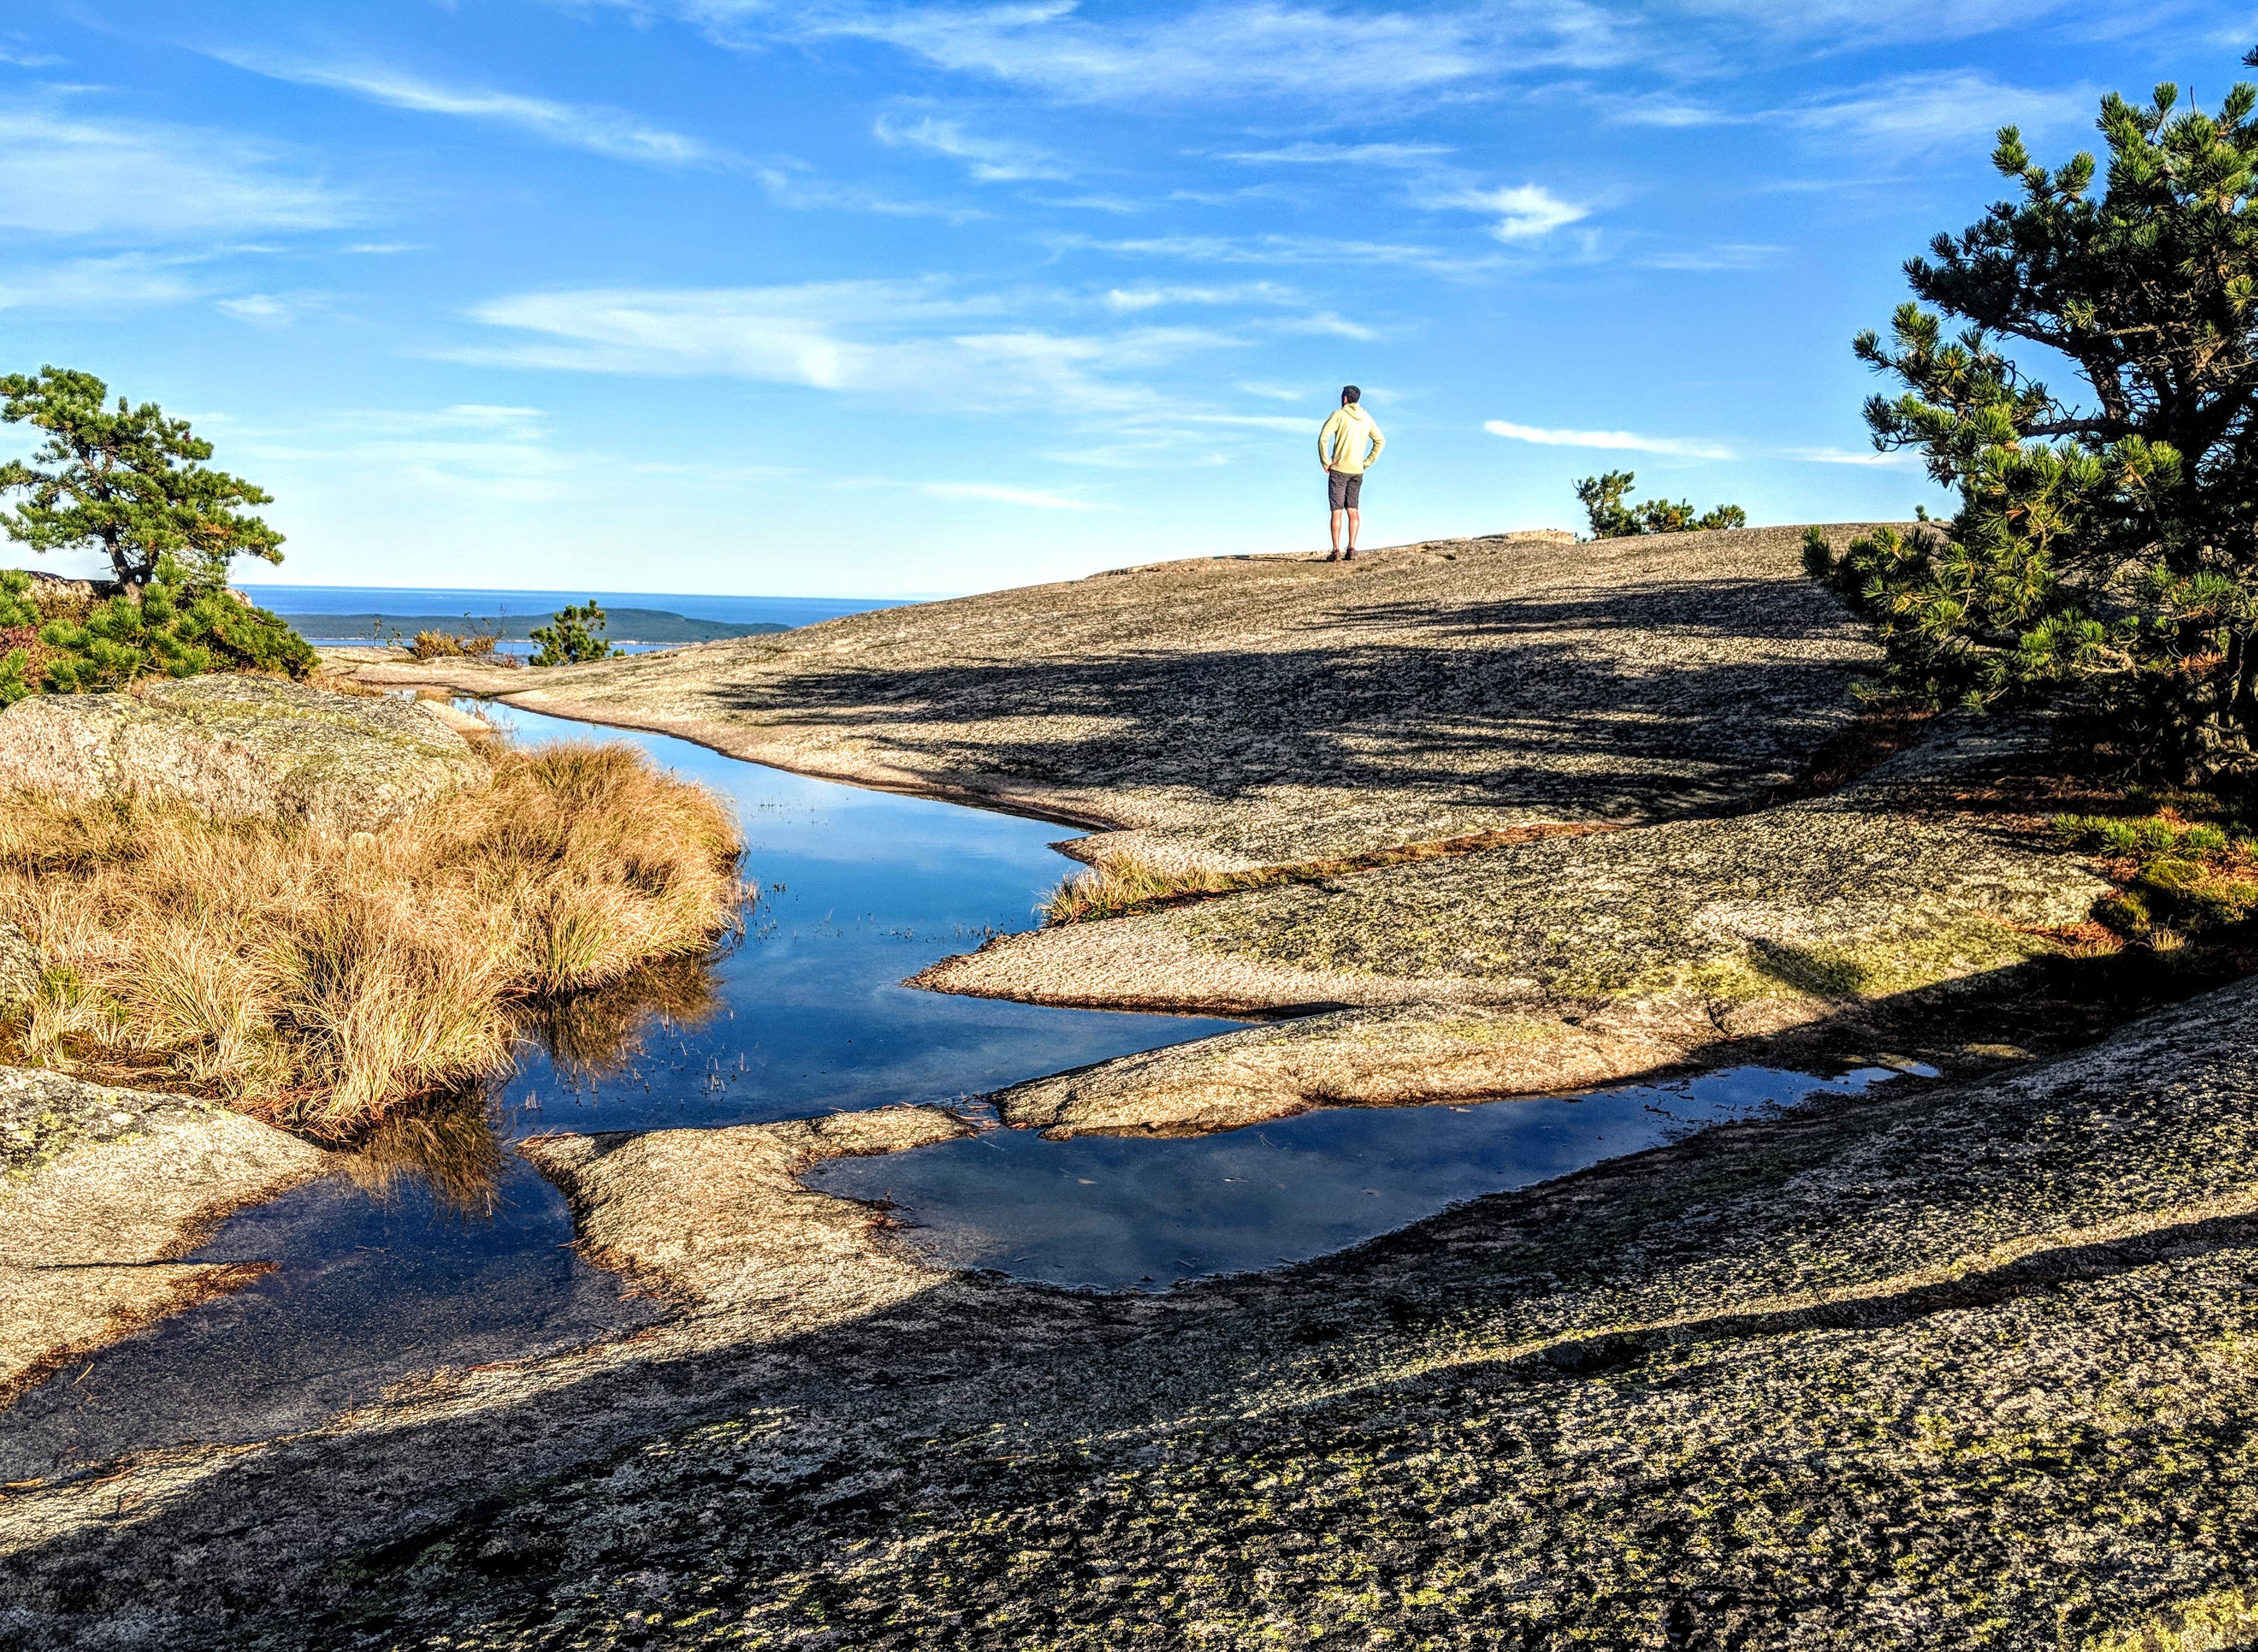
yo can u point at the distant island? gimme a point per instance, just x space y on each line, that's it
628 625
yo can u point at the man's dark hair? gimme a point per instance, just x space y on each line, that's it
1350 393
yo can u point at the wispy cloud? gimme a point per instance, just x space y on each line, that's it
1854 22
473 452
1178 55
86 174
1254 421
262 308
1351 155
1523 212
1904 115
1917 113
597 130
990 493
1732 256
1616 441
917 341
798 186
1848 456
95 285
1280 249
988 159
1686 447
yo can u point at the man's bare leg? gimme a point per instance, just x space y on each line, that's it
1355 521
1337 531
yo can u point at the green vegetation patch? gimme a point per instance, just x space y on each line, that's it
2190 878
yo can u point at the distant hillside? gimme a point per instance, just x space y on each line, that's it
628 625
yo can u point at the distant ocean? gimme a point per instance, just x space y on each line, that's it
479 604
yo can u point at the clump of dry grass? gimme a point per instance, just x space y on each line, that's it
1125 884
321 981
481 647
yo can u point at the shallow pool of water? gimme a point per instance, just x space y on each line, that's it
1142 1213
803 1012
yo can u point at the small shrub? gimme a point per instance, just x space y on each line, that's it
482 647
177 627
573 636
1602 499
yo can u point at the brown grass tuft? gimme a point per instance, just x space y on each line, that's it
321 981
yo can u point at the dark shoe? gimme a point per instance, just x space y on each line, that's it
1349 555
1334 556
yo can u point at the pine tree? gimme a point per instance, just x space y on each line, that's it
2109 541
573 637
1602 499
132 482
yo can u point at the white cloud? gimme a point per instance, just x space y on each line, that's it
795 185
1254 421
599 130
257 306
1236 49
95 286
1905 114
1913 114
988 159
988 493
85 175
916 340
20 59
1309 155
1846 23
473 452
1619 441
1847 456
1732 256
1280 249
1524 212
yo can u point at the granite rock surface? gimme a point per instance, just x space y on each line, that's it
240 748
1236 712
102 1191
1939 1364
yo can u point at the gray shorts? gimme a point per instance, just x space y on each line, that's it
1342 489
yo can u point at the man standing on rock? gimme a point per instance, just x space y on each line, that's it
1342 449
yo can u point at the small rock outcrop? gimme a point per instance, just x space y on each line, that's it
240 748
103 1191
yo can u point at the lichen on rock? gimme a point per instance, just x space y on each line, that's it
239 747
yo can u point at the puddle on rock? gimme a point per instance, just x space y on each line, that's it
371 1290
1144 1213
453 1252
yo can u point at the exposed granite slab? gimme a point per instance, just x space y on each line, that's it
102 1189
239 747
1684 931
1409 1055
718 1218
1237 712
1938 1365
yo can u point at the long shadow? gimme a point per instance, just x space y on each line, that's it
976 1397
1529 721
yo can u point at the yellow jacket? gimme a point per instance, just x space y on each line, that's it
1340 444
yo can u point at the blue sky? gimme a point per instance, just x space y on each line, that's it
873 299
